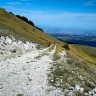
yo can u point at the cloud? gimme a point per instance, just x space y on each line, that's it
18 3
24 0
49 18
47 14
61 19
14 3
89 3
78 14
44 15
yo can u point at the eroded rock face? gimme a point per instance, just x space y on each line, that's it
9 47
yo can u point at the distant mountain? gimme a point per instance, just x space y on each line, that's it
81 36
81 39
69 31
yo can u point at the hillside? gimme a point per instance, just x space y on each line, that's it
21 30
84 53
29 69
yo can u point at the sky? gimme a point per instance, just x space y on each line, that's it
55 13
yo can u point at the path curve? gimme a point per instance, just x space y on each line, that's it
27 75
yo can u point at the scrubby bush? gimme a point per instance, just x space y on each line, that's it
11 13
38 46
28 21
20 95
25 19
66 46
31 23
40 29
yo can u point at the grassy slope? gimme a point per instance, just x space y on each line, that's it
22 29
84 53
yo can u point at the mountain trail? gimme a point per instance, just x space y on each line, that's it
27 75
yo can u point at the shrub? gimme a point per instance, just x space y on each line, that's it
38 46
70 61
66 47
40 29
31 23
20 95
26 20
11 13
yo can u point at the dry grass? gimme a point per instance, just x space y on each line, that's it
75 71
59 48
51 48
72 72
24 29
85 54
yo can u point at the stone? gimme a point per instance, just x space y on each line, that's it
94 89
1 86
81 90
71 88
29 79
13 51
52 80
77 87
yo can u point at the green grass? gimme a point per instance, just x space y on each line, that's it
70 61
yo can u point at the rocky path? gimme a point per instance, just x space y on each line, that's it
27 75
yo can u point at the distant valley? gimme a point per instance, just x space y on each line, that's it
85 40
85 37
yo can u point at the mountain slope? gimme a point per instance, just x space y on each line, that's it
84 53
22 30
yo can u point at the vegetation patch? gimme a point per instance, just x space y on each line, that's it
38 46
69 61
38 57
56 57
66 46
20 95
66 74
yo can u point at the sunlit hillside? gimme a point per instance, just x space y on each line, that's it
22 30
